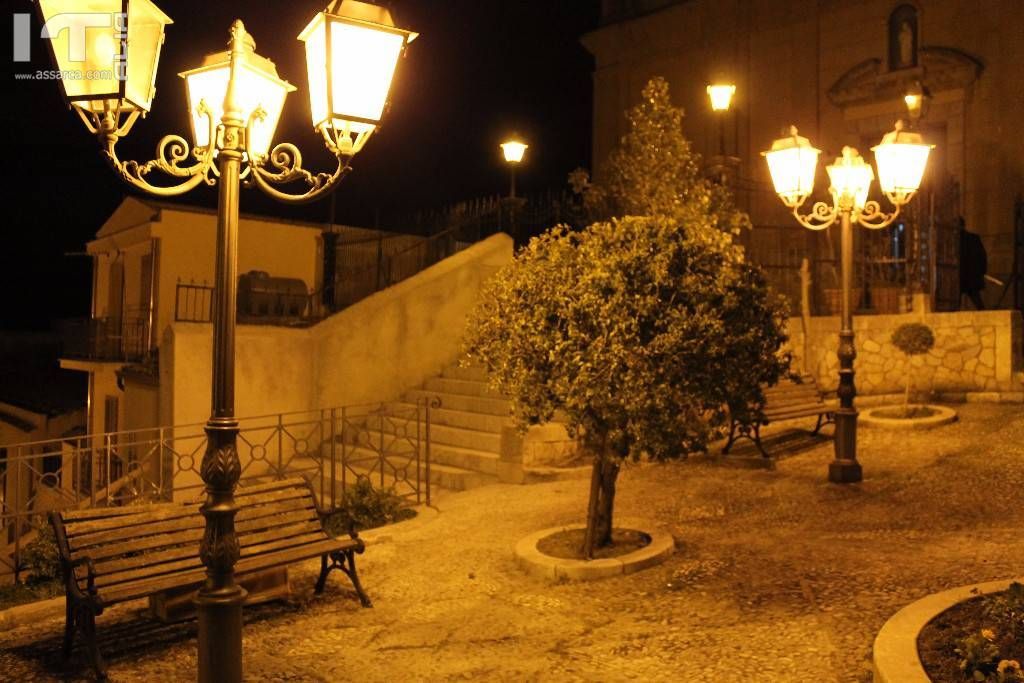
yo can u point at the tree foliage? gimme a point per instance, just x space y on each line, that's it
640 330
654 171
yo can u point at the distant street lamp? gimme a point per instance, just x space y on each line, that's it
235 99
513 150
721 95
792 161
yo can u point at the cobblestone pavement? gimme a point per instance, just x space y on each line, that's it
778 576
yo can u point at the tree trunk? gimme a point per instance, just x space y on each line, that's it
602 501
906 397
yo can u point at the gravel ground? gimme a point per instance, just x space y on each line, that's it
778 576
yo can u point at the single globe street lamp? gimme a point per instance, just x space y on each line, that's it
513 151
792 161
721 95
235 100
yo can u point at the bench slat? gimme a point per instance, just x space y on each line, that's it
186 517
176 553
138 522
248 565
295 537
187 536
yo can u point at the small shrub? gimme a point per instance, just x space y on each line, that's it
1007 611
41 558
913 339
366 508
979 655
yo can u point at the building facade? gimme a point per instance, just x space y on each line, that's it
839 71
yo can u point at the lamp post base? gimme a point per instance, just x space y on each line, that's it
220 640
844 472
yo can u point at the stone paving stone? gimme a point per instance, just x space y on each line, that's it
778 576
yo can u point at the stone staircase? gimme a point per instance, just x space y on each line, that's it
465 431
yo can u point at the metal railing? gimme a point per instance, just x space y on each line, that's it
106 339
193 303
385 444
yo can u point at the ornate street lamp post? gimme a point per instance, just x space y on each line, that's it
792 162
235 99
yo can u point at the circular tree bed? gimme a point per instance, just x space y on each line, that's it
914 417
976 635
568 543
554 554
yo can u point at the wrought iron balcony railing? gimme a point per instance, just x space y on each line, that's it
125 339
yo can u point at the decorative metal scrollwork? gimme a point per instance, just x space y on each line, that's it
171 152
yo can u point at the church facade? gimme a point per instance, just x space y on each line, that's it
840 71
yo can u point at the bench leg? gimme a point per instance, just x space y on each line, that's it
69 627
86 619
345 560
823 419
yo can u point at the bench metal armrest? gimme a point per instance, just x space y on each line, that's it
90 568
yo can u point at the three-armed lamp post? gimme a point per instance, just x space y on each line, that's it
792 161
513 151
235 99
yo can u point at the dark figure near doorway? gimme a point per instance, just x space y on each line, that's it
973 266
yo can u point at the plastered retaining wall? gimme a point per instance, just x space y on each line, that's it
977 354
372 351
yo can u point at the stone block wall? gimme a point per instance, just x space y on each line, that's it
975 353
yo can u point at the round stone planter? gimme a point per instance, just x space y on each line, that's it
895 654
560 569
943 416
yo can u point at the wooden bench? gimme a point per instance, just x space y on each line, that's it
785 401
113 555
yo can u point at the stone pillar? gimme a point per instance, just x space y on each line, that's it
510 461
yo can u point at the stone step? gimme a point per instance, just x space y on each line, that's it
446 476
364 462
488 442
473 404
464 458
481 422
462 387
474 373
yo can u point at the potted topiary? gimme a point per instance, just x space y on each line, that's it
912 339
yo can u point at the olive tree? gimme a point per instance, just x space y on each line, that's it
642 328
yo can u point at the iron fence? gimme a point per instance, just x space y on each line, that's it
386 444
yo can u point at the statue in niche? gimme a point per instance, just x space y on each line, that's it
903 38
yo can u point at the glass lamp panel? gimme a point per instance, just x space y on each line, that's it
851 177
145 38
901 166
86 43
254 89
362 64
513 151
315 38
793 171
721 96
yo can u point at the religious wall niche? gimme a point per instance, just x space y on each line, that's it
903 38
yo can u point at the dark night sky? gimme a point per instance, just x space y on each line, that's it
480 69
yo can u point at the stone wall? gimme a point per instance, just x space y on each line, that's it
977 354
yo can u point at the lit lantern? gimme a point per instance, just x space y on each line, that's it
352 49
257 86
107 51
792 162
721 96
901 157
513 150
851 178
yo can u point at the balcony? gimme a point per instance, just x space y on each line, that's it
124 340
